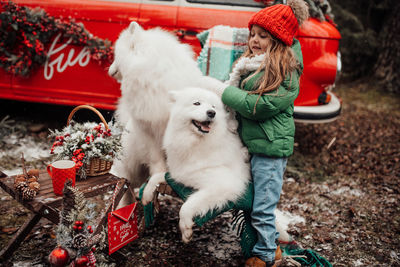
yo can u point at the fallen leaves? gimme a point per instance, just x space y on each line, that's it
347 186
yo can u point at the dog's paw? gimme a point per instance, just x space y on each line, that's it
186 230
148 194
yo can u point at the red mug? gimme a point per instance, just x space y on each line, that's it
59 172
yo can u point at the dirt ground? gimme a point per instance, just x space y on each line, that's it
343 179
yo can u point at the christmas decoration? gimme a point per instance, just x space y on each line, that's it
83 142
26 32
59 257
27 184
122 226
74 232
82 261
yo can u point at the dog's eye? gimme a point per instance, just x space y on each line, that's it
213 106
196 103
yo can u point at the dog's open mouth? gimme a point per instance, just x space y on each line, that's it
203 126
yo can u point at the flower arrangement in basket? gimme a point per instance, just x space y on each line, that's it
92 146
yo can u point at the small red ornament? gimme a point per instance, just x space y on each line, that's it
82 261
59 257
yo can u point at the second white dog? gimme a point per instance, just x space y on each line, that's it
149 64
202 154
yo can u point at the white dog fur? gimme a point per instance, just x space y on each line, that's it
149 64
202 154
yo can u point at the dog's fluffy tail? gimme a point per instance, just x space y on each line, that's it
214 85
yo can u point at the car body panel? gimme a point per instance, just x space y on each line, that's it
70 77
320 113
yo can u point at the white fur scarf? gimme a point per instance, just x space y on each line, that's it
244 66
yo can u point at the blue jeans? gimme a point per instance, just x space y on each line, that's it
268 179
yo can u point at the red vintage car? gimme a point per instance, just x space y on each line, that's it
70 77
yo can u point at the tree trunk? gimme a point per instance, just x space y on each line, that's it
386 70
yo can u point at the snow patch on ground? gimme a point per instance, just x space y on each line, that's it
32 149
285 219
358 262
347 191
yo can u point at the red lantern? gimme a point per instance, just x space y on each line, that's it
82 261
59 257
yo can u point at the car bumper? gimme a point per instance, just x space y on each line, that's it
318 114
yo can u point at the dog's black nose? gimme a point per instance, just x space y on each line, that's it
211 113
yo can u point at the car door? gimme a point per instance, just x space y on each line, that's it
158 13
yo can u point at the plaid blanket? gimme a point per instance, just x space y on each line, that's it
221 46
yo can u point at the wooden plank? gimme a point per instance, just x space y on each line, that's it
50 213
46 204
9 188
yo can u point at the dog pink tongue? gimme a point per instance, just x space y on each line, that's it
205 127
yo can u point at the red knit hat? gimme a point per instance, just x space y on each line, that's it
278 20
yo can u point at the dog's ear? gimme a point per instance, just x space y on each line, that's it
173 96
134 26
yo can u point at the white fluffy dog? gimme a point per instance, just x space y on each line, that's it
203 154
149 63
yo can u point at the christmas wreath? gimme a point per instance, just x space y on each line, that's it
25 32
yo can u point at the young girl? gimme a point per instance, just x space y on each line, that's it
262 88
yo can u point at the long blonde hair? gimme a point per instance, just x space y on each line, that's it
279 61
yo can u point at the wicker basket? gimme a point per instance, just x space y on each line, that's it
96 166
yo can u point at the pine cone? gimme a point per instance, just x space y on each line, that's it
34 186
68 203
79 241
32 179
19 179
33 172
28 194
27 191
21 186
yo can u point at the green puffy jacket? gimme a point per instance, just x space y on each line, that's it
270 130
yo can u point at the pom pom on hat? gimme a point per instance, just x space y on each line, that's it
282 21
